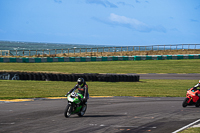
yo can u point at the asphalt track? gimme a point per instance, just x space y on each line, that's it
191 76
104 114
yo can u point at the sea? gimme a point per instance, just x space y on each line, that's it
17 47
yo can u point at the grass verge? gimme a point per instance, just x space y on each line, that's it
147 66
192 130
11 89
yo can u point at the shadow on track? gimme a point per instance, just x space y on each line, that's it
103 115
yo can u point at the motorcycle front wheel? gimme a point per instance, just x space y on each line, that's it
68 111
184 104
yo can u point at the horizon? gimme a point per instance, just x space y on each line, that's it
21 42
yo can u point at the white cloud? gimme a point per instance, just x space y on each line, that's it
58 1
125 4
129 23
194 20
104 3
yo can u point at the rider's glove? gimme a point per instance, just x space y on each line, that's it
79 98
66 94
82 99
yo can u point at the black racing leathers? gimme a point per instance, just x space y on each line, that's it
82 90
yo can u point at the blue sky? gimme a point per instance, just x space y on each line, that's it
101 22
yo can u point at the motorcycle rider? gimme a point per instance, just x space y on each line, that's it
195 89
82 89
197 85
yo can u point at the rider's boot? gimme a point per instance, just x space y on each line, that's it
83 106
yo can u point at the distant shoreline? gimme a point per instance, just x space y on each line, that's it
123 53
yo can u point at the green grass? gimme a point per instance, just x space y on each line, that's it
192 130
148 88
148 66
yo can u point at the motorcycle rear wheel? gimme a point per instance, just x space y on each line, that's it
184 104
197 103
68 111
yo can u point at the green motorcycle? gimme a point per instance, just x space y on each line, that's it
74 105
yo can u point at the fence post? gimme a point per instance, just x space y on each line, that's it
109 49
145 48
139 48
86 50
121 49
133 48
68 51
103 49
182 46
16 52
29 52
49 52
188 46
80 50
62 51
164 47
115 49
1 52
74 50
23 52
152 48
43 52
55 51
36 52
97 50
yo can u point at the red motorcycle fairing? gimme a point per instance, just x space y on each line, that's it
192 94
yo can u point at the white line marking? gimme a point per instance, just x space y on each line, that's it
186 126
123 126
102 125
8 123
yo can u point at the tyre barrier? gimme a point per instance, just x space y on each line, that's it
69 77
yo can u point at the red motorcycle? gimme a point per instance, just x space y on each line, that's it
192 97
